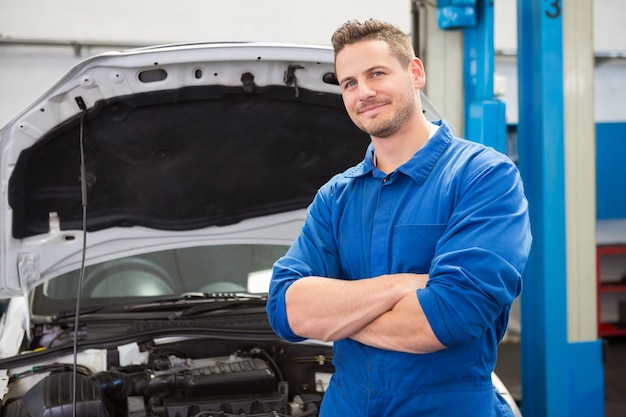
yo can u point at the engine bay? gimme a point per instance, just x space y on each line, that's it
172 377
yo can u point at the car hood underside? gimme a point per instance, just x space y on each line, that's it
175 140
184 159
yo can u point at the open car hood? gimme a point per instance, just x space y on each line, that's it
177 143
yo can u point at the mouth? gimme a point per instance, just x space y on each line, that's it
370 108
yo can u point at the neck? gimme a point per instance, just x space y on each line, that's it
394 151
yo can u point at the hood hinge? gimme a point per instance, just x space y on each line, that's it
28 271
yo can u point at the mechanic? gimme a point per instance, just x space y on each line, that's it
409 261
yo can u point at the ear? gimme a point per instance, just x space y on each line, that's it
419 75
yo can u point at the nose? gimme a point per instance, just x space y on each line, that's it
366 92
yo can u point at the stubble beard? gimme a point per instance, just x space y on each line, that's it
391 125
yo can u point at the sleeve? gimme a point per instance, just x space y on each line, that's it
313 253
476 272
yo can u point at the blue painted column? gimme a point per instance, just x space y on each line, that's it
485 120
554 371
541 154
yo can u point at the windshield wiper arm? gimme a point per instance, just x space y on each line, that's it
222 301
64 314
192 302
198 298
134 304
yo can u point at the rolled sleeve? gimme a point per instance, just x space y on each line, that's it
276 306
313 253
476 272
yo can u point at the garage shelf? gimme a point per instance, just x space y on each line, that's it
611 278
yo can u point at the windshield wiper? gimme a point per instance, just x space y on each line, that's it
64 314
191 302
198 298
240 300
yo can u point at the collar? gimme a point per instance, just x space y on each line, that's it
419 166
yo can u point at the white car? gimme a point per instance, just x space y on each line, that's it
160 185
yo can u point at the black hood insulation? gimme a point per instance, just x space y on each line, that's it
185 159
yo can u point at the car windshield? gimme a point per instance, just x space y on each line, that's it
205 269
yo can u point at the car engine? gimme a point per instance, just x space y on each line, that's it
248 382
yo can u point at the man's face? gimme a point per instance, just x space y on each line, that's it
379 93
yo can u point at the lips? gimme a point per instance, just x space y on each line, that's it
370 107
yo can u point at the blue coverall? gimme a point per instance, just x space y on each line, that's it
456 211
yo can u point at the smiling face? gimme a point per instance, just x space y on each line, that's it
379 93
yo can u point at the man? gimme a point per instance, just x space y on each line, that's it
409 262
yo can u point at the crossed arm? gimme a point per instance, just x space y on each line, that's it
382 312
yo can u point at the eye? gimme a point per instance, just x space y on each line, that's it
377 74
348 84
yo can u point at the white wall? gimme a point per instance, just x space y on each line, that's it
27 71
158 21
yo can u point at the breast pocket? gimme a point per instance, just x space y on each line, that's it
414 246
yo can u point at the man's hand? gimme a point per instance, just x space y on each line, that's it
404 328
332 309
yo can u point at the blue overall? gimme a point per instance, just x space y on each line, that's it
456 211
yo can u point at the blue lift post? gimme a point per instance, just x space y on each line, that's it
559 377
541 150
485 120
485 116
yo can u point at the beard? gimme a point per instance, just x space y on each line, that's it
390 125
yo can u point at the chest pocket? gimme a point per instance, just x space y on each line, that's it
413 246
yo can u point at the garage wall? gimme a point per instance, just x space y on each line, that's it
26 72
159 21
610 158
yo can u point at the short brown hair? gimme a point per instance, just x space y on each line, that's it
354 31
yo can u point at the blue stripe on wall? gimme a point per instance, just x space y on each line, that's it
611 170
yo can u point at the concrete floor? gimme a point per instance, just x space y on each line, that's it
508 370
